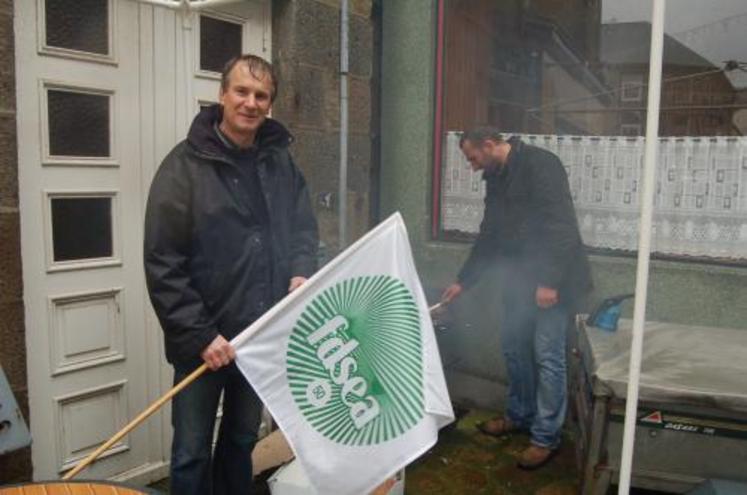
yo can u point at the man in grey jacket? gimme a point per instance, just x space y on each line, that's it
530 231
229 231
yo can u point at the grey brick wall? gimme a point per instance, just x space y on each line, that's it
306 51
15 466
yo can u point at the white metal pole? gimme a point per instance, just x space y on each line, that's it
644 243
343 190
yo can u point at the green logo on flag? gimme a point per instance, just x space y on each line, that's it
354 361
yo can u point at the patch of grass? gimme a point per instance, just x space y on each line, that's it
466 461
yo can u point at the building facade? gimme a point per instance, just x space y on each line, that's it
92 96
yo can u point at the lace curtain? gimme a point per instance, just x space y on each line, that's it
700 203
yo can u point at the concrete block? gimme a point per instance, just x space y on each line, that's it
6 39
8 161
7 60
355 7
13 349
361 7
358 214
308 31
15 467
359 162
309 97
317 153
359 105
320 153
7 90
361 47
317 34
283 33
10 258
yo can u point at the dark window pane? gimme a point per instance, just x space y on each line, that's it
78 124
78 25
219 42
81 228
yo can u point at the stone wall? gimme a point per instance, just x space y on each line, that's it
16 466
306 53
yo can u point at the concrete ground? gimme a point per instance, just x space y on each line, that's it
464 462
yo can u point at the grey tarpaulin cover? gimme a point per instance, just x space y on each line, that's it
703 366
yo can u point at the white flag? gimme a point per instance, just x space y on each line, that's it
349 368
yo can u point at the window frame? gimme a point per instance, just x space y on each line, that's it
438 234
69 53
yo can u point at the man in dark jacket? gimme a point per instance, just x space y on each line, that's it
229 231
530 230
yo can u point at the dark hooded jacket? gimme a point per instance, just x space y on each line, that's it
225 230
530 221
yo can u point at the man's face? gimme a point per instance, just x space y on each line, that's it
246 102
479 156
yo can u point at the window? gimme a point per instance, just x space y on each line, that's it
78 123
81 228
630 130
550 71
631 87
78 28
220 40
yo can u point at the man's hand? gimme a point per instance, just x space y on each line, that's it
218 354
451 293
546 297
295 283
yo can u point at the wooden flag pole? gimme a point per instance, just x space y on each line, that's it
436 306
135 422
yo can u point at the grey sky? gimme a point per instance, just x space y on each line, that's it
716 29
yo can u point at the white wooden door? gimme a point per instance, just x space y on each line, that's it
81 201
101 97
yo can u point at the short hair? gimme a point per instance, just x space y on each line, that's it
258 67
479 135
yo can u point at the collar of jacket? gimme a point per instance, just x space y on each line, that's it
204 140
511 160
513 155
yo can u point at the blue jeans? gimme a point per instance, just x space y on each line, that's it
534 347
229 471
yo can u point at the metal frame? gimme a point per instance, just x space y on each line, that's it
674 460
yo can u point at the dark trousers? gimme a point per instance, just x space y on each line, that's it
229 471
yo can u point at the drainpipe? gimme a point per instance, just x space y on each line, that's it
187 38
343 191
